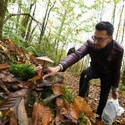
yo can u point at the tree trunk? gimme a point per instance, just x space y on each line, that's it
28 34
44 21
113 16
25 21
123 34
3 9
120 20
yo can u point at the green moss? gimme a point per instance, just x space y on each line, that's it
22 71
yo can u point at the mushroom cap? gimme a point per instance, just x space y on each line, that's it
44 59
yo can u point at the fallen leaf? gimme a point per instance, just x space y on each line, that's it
59 103
13 118
9 78
4 66
22 115
37 114
70 108
81 105
41 115
13 100
57 89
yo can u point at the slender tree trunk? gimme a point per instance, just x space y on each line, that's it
101 10
3 9
25 21
113 16
63 48
120 19
45 20
18 18
60 31
28 34
123 34
43 24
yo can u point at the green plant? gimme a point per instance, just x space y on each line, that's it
67 95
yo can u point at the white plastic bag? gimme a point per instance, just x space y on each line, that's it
111 111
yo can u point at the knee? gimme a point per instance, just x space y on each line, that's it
84 75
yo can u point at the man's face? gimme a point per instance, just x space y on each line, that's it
101 39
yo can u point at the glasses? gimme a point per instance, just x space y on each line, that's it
99 39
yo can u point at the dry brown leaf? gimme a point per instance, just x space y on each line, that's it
70 108
4 66
99 123
37 114
47 116
22 115
41 115
59 103
81 105
4 49
58 118
2 75
9 78
29 56
13 100
57 89
35 78
13 119
65 110
2 85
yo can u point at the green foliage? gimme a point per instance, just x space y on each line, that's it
67 95
35 49
22 71
121 87
46 93
32 100
81 118
77 67
116 1
10 31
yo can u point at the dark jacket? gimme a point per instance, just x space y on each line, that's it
105 60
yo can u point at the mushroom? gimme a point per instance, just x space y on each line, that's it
43 61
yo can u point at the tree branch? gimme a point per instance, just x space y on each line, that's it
25 14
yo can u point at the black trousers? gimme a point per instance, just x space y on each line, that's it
106 82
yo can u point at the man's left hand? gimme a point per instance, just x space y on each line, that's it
114 94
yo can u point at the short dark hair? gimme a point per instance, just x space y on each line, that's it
105 25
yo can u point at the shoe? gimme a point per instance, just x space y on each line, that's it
98 118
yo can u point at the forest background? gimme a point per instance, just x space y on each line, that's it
51 27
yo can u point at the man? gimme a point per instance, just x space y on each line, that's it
106 58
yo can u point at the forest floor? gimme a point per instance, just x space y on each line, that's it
72 82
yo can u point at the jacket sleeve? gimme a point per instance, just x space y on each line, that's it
116 68
76 56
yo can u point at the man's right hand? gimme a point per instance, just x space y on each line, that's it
51 71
